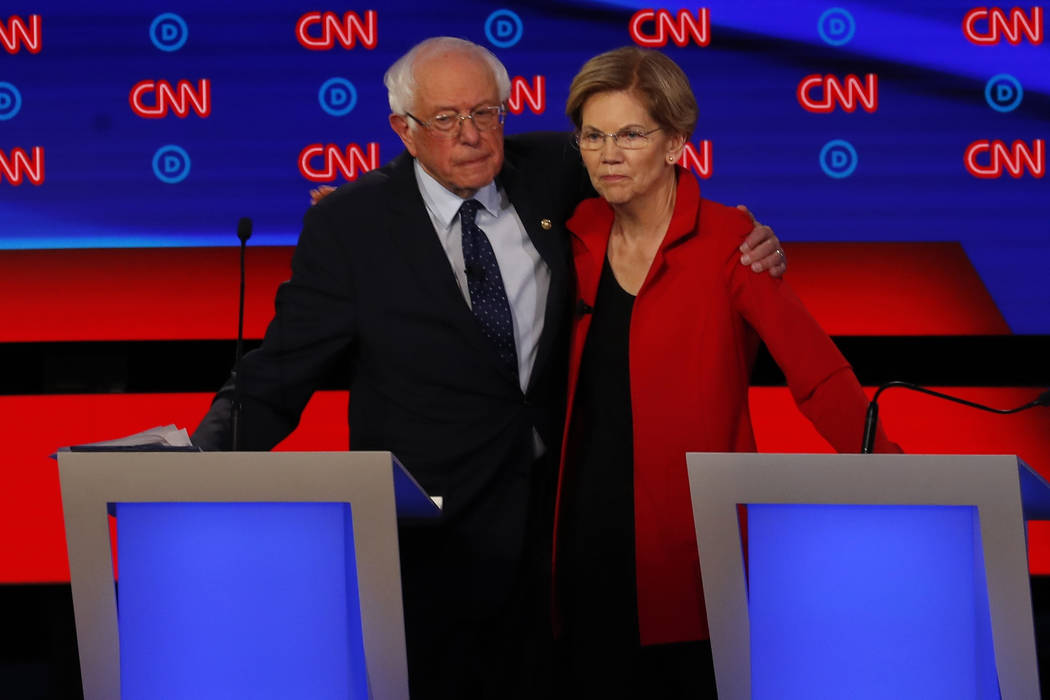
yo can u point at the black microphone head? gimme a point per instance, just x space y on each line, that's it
244 229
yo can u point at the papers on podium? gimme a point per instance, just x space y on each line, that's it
159 438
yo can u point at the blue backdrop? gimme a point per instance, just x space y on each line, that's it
102 145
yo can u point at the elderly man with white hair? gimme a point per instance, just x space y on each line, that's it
441 285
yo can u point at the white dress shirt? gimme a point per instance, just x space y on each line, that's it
526 276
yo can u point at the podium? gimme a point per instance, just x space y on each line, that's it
868 576
241 574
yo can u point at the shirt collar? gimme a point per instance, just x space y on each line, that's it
444 205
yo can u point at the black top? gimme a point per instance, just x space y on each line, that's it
601 653
596 567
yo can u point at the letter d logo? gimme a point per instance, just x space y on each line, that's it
503 28
171 164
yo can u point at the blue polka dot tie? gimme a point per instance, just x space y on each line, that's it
488 298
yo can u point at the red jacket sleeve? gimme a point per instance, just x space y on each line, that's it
821 381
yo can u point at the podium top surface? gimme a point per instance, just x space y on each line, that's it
173 475
919 479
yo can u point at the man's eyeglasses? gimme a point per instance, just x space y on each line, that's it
484 118
630 139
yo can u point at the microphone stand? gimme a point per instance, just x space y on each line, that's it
868 443
244 232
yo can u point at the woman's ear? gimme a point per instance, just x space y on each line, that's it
674 148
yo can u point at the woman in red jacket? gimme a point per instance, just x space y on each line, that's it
660 362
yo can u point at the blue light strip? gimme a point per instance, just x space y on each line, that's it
152 240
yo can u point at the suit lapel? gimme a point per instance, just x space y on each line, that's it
411 227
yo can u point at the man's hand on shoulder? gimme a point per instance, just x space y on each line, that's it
761 249
316 195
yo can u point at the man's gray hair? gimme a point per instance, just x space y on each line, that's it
400 79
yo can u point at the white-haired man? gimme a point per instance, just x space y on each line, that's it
452 322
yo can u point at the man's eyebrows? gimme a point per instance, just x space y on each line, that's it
479 105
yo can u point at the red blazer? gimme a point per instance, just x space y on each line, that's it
695 329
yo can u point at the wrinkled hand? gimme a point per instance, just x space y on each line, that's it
316 195
761 249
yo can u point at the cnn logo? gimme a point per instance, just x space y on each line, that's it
653 27
986 26
698 159
822 94
179 99
21 166
321 31
990 159
16 34
522 93
320 163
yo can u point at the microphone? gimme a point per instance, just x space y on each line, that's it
868 443
244 229
244 232
583 308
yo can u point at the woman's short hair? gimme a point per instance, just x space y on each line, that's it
400 79
651 76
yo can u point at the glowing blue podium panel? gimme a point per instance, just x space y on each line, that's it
238 600
242 574
867 602
868 576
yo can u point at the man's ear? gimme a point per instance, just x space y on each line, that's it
404 131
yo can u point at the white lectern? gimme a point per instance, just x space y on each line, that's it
250 574
868 576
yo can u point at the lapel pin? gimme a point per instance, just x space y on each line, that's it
545 224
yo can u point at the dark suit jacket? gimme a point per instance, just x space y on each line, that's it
372 293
